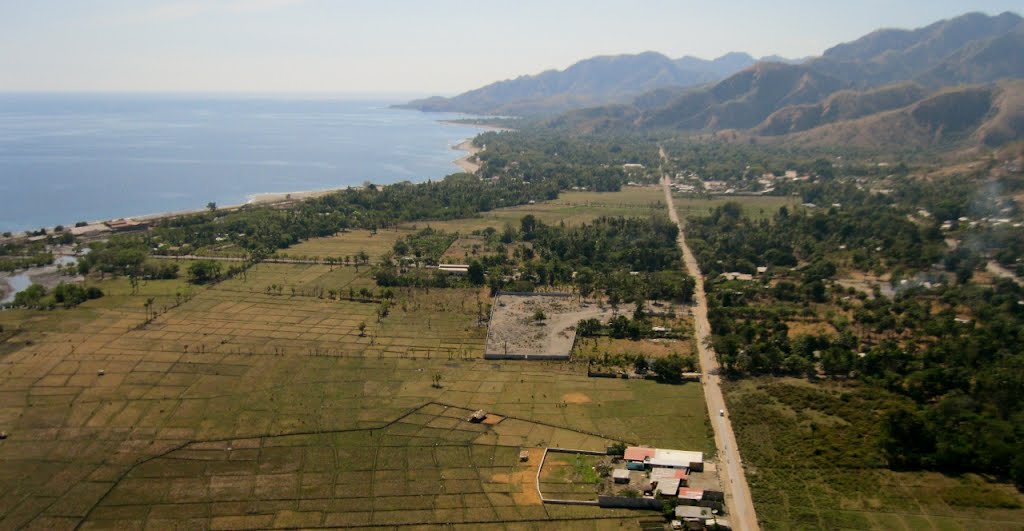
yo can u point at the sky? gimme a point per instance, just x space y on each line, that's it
404 47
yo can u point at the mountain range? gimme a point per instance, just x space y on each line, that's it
947 82
595 81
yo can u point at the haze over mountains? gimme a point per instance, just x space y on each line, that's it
594 81
950 81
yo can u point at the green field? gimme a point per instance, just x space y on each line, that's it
570 207
116 422
813 462
347 244
757 207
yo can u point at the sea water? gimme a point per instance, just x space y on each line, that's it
68 158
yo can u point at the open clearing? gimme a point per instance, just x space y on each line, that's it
348 244
539 326
572 208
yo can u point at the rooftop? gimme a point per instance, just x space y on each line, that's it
637 453
691 511
691 494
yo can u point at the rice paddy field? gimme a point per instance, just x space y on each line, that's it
263 401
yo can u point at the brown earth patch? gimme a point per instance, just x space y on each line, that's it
492 419
525 477
576 398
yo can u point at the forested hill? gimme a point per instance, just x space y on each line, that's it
595 81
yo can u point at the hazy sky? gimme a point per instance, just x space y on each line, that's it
407 47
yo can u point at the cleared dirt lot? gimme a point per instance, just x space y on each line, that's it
515 330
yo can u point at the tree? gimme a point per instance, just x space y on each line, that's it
539 316
476 273
669 369
528 225
362 328
436 378
203 271
211 206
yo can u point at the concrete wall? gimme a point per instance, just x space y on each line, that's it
629 503
513 356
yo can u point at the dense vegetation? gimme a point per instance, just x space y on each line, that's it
627 259
16 255
594 163
37 296
950 346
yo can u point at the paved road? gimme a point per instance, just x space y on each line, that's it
737 494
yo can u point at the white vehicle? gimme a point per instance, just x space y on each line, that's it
721 412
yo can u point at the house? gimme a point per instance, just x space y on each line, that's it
690 496
126 225
671 474
620 475
677 459
632 167
454 269
92 228
694 517
738 276
524 456
666 487
478 416
662 458
638 453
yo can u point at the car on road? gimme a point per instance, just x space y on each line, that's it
721 412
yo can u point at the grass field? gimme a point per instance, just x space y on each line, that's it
756 207
347 244
814 463
113 422
429 466
573 208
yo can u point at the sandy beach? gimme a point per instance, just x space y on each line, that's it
468 161
253 199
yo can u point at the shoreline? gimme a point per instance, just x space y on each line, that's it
258 198
465 162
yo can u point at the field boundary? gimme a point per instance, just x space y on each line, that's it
121 477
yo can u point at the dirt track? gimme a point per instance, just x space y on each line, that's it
737 493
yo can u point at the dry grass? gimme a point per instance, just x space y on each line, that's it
303 400
348 244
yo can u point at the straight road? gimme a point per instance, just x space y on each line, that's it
737 494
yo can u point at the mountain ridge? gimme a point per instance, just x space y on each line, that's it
956 63
606 79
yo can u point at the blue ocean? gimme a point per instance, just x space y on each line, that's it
69 158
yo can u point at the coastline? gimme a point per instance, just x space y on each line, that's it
467 162
262 198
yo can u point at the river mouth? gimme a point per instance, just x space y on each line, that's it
16 283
